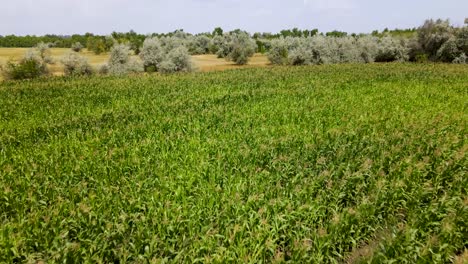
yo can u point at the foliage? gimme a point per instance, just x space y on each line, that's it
222 44
330 164
32 65
337 34
28 68
152 54
462 39
448 51
98 44
133 40
323 50
218 31
167 55
77 47
178 60
391 49
241 47
279 51
433 34
462 59
43 51
76 65
120 62
199 45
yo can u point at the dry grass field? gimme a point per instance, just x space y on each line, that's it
202 62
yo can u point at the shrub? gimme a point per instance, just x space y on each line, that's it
170 43
279 52
43 51
300 56
178 60
241 47
76 65
462 39
33 64
199 45
462 59
152 54
222 45
77 47
28 68
104 69
368 48
448 51
215 44
167 66
391 49
415 51
348 50
324 50
120 62
432 35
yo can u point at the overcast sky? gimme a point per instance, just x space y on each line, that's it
39 17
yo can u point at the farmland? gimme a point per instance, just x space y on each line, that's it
322 164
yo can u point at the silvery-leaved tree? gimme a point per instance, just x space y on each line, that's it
199 45
152 54
391 49
241 48
433 34
76 65
120 62
77 46
177 60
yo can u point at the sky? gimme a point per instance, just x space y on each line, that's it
39 17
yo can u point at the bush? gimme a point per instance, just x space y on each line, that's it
77 47
367 48
215 43
322 50
104 69
279 52
391 49
170 43
177 60
28 68
448 51
462 59
152 54
33 64
76 65
167 66
222 44
432 35
43 51
462 39
199 45
120 62
300 56
241 47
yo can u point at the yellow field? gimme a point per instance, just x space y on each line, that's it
202 62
